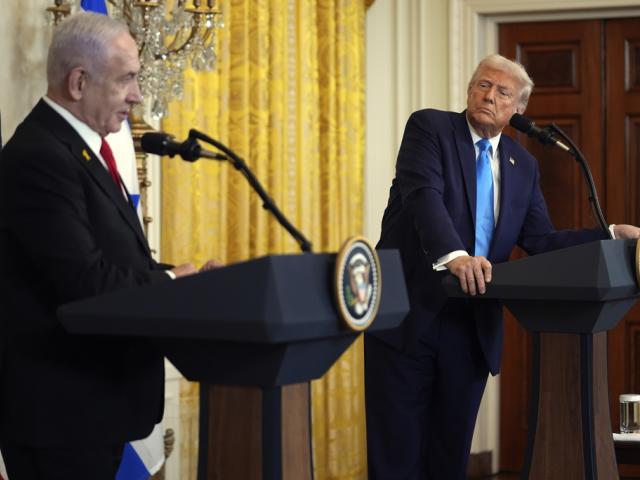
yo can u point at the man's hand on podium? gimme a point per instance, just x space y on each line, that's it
626 231
189 269
473 273
210 265
183 270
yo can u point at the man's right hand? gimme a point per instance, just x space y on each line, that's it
184 270
473 273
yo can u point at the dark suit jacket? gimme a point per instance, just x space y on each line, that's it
66 233
431 212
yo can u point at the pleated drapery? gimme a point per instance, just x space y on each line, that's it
288 97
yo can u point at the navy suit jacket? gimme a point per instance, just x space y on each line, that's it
67 233
431 212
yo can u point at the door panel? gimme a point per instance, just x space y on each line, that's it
563 58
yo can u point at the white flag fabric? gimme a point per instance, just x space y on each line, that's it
121 144
3 470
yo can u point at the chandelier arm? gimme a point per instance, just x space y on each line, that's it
177 43
172 49
141 49
206 36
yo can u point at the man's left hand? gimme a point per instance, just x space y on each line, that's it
626 231
210 265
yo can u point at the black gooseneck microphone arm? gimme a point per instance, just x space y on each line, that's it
593 195
267 201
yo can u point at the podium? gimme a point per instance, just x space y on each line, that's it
263 329
568 299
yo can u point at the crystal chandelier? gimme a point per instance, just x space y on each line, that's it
168 40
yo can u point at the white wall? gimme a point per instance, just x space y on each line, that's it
23 43
407 69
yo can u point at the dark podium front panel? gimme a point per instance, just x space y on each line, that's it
265 322
254 333
568 299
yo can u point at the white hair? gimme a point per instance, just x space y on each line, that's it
81 40
515 69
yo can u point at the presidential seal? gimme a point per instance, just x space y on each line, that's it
358 283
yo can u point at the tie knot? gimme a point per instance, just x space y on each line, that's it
109 159
105 149
484 145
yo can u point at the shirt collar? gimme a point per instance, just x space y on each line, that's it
494 141
90 137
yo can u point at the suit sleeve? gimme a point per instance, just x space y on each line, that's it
48 218
420 178
538 234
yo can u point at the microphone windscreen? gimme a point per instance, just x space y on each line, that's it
154 143
521 123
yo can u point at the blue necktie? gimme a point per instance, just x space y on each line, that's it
484 199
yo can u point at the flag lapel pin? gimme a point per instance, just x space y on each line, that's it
86 155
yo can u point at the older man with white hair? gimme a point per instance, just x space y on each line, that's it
463 196
68 231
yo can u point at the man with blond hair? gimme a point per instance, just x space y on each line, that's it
463 196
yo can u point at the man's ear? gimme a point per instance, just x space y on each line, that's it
76 83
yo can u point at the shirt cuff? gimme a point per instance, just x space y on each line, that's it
439 265
613 234
172 275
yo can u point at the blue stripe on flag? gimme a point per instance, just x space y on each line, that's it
98 6
135 199
131 467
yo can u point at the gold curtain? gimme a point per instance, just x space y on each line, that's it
288 97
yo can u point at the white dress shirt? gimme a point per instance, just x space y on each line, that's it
90 137
495 172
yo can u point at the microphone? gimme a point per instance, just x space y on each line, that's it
159 143
543 135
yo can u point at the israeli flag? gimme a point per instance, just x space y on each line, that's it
98 6
141 458
124 152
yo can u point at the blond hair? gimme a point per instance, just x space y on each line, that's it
513 68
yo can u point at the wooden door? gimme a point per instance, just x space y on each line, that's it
563 60
588 84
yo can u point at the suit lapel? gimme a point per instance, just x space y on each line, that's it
106 183
83 154
466 155
506 188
